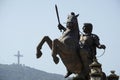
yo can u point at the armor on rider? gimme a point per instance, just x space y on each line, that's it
90 41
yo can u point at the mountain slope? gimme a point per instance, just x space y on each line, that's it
19 72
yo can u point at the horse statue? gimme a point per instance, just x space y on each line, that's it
68 48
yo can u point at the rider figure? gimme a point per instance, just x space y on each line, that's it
90 41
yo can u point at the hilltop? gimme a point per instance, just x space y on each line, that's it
21 72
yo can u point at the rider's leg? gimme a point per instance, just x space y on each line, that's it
85 58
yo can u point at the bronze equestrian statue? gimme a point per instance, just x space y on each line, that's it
75 50
66 46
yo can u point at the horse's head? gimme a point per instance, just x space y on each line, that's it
72 22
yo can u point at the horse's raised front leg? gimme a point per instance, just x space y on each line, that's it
55 50
57 47
45 39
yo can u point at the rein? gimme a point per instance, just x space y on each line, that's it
101 54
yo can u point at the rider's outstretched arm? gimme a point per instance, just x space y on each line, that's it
61 27
98 45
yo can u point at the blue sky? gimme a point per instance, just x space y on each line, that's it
23 23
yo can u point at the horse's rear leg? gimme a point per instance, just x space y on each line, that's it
45 39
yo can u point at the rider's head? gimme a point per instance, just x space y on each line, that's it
71 20
87 28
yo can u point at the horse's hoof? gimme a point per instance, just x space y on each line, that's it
39 54
68 74
56 60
